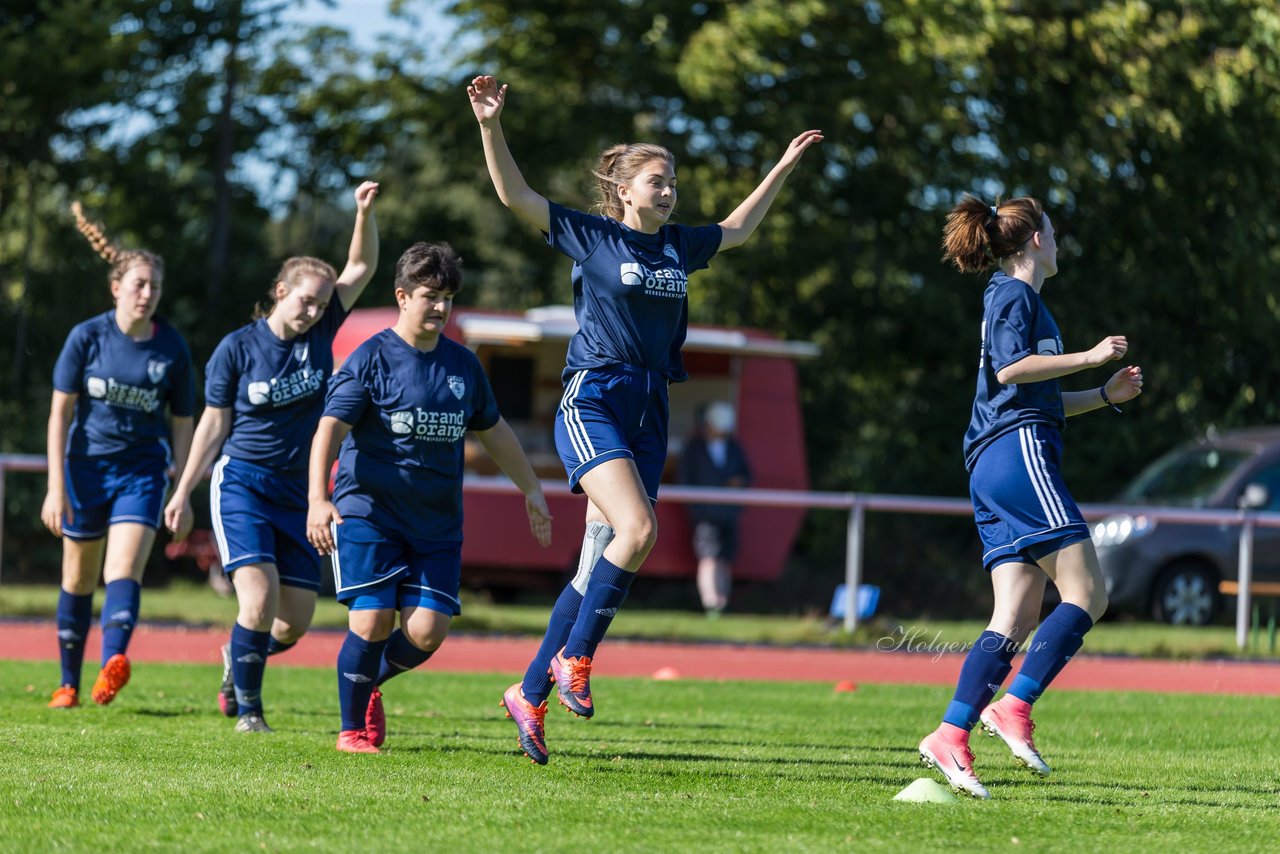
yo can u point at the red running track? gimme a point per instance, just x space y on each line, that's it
35 641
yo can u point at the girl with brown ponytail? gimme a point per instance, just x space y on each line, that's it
1030 527
264 393
109 454
630 274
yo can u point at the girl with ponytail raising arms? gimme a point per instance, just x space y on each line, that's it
264 393
630 273
109 455
1030 527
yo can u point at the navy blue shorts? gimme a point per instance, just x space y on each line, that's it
105 491
260 516
613 413
1020 503
379 569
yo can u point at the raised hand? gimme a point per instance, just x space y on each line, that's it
1108 350
799 146
487 98
365 194
1125 384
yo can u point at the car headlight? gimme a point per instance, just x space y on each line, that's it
1114 530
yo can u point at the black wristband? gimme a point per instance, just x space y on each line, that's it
1106 400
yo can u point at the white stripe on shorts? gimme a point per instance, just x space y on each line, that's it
333 558
1038 471
215 507
578 436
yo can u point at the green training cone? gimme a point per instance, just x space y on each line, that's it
925 791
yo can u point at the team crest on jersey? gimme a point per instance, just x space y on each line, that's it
300 351
457 386
402 423
259 393
670 252
156 369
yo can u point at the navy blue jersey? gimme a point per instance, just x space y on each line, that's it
123 387
1015 324
401 465
276 389
630 289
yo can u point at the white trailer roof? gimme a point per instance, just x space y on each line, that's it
557 323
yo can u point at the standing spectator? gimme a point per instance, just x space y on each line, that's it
715 458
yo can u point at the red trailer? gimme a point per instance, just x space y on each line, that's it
524 354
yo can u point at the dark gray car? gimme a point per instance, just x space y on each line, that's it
1171 570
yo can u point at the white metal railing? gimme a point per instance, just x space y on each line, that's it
857 504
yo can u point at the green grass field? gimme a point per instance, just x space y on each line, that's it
190 603
669 766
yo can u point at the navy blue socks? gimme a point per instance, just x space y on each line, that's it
536 685
399 656
605 594
1060 637
358 663
275 647
248 661
75 613
983 672
119 615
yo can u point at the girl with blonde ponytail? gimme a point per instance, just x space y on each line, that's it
264 392
630 275
1030 527
109 455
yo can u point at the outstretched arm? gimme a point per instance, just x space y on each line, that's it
501 443
362 255
487 100
738 226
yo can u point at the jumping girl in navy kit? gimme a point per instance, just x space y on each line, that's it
630 276
264 392
1031 528
109 455
400 407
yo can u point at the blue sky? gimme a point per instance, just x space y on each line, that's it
364 19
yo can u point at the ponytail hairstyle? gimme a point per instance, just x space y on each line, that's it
119 259
435 265
618 165
291 274
979 236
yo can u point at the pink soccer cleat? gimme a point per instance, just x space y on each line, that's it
375 720
530 723
355 741
954 759
1010 718
573 683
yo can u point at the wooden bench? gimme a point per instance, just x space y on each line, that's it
1256 588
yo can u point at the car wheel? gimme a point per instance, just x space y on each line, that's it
1186 594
